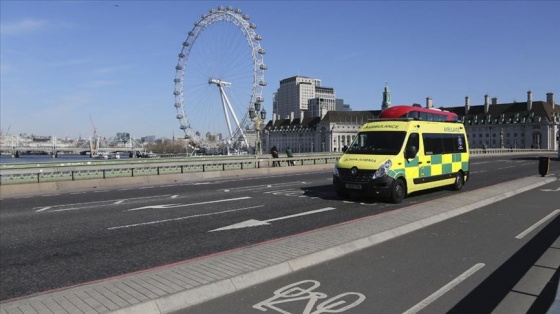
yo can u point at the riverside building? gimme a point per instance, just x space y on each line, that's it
528 124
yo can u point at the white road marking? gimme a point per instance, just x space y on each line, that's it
537 224
75 206
254 222
303 290
254 187
163 206
550 190
443 290
63 209
174 196
182 218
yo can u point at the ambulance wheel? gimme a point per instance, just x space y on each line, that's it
398 191
459 182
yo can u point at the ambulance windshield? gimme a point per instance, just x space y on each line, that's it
377 143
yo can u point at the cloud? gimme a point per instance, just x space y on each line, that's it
23 26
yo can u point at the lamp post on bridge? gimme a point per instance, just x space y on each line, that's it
258 116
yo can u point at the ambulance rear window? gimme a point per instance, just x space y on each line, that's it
437 143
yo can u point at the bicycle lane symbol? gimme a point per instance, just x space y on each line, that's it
303 290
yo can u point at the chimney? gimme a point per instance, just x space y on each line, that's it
467 104
550 98
486 104
529 101
428 102
301 114
291 117
494 100
273 118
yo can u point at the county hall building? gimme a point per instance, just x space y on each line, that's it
309 118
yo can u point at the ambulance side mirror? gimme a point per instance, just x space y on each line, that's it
410 152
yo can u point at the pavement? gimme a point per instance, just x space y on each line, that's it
177 286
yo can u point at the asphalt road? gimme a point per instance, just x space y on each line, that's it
49 242
428 271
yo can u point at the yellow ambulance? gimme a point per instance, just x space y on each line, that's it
391 158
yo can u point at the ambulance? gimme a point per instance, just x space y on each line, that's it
391 158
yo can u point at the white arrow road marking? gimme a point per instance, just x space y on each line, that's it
92 205
182 218
550 190
254 222
192 204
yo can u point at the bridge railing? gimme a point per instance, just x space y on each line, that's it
133 167
51 171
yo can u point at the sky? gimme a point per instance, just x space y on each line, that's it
67 67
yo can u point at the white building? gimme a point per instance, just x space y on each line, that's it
324 101
303 96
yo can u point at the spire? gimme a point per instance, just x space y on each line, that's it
386 98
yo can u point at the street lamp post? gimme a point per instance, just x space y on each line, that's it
258 116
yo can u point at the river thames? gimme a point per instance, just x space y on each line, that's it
31 159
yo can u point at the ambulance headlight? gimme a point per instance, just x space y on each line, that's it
383 170
335 172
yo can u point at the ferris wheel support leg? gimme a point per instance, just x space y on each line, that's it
225 106
233 115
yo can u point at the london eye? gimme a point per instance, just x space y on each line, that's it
219 77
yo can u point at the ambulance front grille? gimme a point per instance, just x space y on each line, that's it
361 176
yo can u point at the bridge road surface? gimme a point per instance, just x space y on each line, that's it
53 241
96 293
430 270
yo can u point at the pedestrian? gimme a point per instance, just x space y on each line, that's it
289 154
274 153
